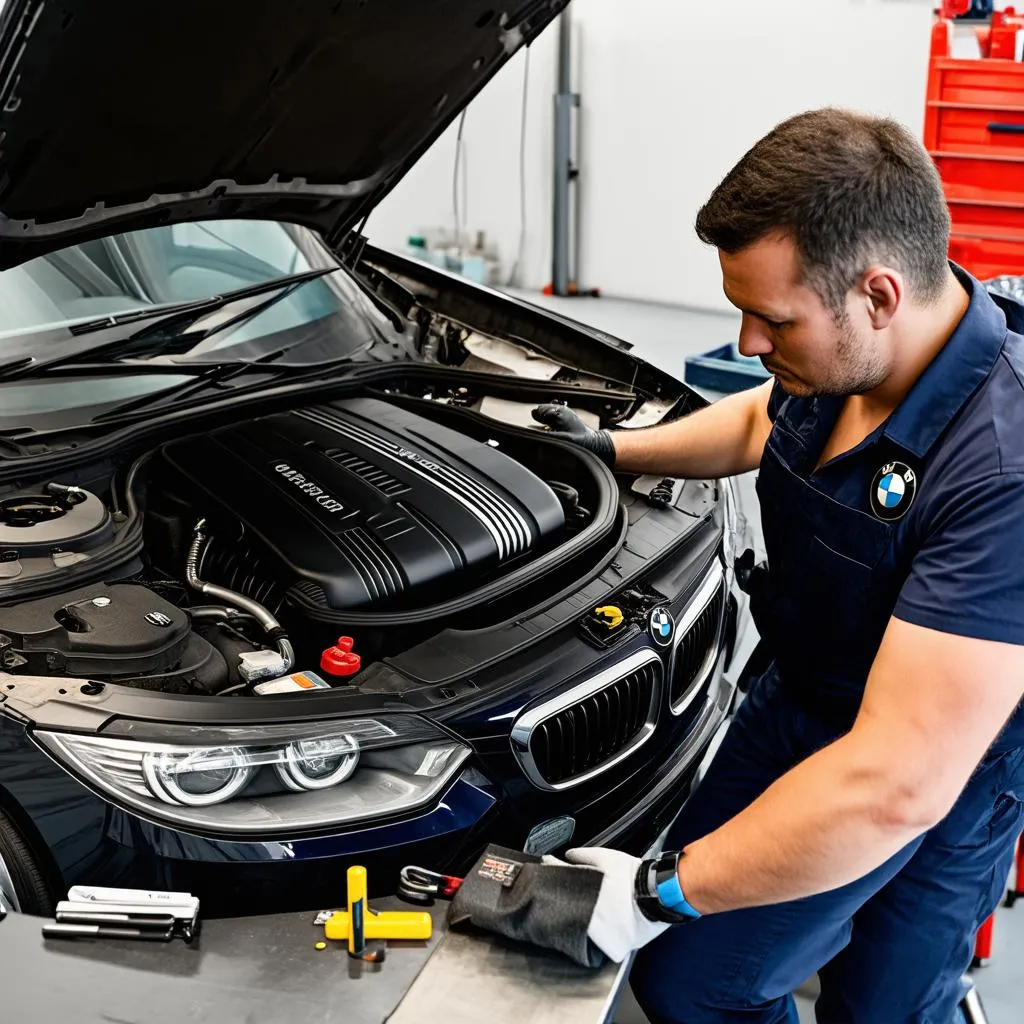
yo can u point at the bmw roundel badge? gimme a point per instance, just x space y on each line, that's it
893 490
661 626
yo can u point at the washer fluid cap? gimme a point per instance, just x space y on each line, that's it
340 660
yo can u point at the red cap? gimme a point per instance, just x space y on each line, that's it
339 659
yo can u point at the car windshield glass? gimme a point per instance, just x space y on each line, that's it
53 310
168 266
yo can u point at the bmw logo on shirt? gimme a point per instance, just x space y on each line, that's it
893 490
661 626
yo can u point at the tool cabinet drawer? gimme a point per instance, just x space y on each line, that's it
986 218
988 256
988 83
997 180
982 131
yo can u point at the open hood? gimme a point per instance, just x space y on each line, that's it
119 115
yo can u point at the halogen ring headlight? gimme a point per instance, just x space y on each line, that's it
265 778
197 779
318 763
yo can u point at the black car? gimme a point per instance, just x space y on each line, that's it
290 577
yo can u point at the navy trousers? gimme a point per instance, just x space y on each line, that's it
890 948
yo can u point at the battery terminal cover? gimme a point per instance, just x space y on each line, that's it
340 660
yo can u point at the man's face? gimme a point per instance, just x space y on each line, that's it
800 341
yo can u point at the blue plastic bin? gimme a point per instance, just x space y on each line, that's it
724 370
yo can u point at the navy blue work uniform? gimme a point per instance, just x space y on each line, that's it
923 520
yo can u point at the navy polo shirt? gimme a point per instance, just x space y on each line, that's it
923 520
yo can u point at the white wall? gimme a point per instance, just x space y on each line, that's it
674 92
491 137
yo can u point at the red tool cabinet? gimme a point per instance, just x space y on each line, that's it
974 131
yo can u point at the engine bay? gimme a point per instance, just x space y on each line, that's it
324 537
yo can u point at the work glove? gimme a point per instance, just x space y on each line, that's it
564 424
515 895
617 926
585 906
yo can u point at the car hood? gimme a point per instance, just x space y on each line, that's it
119 115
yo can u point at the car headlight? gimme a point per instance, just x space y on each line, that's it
196 778
319 763
734 539
266 778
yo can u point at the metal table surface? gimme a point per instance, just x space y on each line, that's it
265 970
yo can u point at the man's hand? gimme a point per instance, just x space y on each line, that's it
617 927
934 703
563 423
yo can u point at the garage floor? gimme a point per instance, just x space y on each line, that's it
666 335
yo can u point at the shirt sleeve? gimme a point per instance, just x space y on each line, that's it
967 577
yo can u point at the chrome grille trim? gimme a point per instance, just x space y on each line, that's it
510 530
523 729
712 585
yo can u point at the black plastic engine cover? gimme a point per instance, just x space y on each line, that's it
366 503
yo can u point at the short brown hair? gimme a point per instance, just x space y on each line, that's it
850 189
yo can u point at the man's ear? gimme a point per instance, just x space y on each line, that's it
882 290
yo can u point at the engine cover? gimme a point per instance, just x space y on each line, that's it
366 503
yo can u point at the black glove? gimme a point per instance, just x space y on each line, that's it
515 895
566 425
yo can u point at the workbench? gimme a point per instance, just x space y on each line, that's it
264 970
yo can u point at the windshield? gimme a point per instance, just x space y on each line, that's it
307 322
165 266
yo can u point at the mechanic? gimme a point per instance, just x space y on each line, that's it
859 817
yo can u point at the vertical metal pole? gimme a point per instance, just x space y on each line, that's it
564 103
972 1010
574 172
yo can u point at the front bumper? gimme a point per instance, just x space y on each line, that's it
81 838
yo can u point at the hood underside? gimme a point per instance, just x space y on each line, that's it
118 115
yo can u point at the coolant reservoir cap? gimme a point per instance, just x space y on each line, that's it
340 660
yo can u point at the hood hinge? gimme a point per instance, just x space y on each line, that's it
350 249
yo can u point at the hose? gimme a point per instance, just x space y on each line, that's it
129 485
219 613
254 608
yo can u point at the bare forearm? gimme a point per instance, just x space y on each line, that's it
725 439
830 820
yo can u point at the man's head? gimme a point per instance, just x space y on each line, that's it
830 230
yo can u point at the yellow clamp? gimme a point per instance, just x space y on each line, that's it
613 616
344 926
386 924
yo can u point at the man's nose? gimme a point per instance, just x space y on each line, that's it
753 340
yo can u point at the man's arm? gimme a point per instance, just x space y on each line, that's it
933 705
725 439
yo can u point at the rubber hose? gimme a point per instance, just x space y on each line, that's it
192 562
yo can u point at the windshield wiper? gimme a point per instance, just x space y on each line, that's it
161 322
198 307
216 375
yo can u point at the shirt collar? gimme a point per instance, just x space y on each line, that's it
953 375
